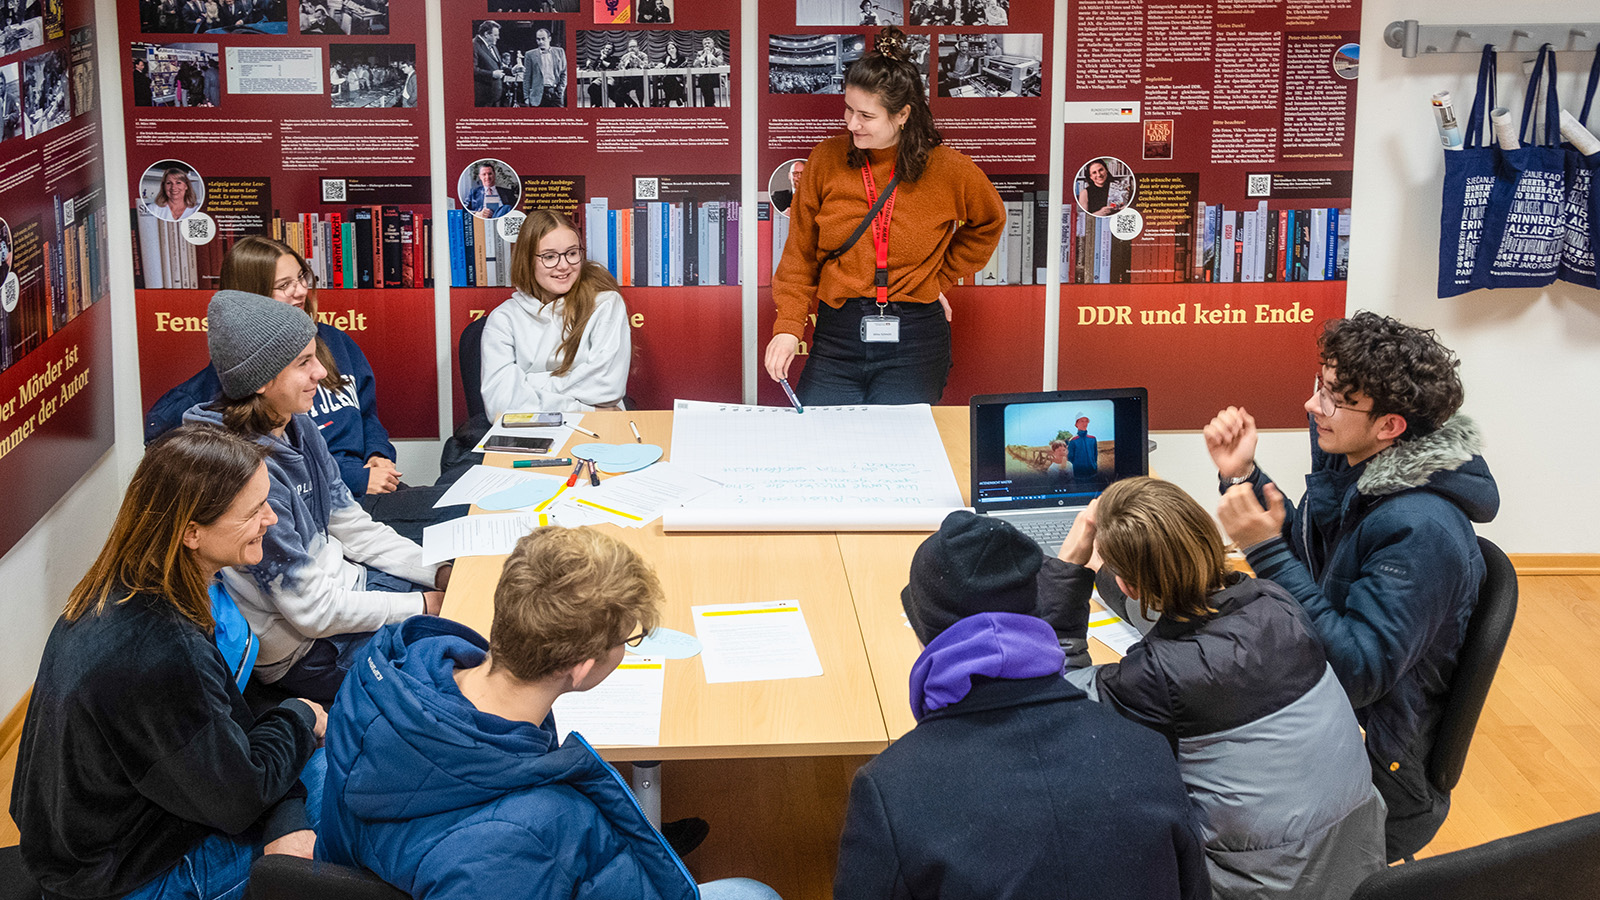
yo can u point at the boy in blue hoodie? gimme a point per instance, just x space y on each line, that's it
444 775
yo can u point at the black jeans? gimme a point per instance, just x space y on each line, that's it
843 369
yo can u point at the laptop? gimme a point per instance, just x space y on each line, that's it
1038 459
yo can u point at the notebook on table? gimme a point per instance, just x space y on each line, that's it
1037 463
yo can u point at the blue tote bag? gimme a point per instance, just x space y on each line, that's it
1469 176
1522 226
1581 212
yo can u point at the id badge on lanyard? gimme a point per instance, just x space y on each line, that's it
881 328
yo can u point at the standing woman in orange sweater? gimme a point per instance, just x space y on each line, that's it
883 324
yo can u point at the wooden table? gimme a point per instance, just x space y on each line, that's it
848 584
837 713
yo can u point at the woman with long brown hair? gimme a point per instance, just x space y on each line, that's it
141 771
346 408
882 332
561 342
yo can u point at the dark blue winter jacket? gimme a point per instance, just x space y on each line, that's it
1383 558
444 801
348 417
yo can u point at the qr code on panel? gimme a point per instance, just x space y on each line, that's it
333 190
199 227
646 188
1123 225
1258 186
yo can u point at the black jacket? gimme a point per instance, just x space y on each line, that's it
137 745
1024 789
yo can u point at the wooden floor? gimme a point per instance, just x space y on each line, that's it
1535 760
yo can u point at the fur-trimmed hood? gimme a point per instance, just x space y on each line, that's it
1446 462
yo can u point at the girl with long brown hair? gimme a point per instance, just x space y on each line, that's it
346 408
141 770
877 282
561 342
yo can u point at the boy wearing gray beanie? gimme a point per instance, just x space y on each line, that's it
329 575
1013 781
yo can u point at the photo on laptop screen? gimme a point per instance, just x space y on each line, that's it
1055 448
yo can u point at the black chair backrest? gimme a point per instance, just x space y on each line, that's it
279 877
470 352
14 881
1487 632
1560 860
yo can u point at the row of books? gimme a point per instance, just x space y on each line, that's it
666 243
364 247
361 247
1270 244
78 263
479 256
650 244
1217 245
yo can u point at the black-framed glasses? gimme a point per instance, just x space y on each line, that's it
1327 403
305 279
637 639
552 259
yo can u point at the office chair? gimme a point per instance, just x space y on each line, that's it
14 881
1487 632
1560 860
279 877
469 350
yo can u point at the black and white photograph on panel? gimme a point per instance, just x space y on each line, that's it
652 12
653 68
10 102
178 74
368 75
44 90
960 12
344 17
84 71
849 12
531 57
214 16
990 65
21 26
533 6
811 63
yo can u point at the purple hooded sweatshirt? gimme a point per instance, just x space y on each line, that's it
992 645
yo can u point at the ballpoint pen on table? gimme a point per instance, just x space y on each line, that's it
636 438
584 430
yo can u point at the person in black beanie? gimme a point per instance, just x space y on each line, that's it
1013 779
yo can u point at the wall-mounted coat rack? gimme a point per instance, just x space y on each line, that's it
1411 38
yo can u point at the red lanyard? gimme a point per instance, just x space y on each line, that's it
880 234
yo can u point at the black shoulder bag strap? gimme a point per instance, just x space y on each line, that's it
861 229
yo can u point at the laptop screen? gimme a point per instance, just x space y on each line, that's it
1056 448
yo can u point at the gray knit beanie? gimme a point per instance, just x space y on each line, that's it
253 338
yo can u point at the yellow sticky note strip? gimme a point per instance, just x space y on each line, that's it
1109 620
640 666
614 512
540 507
747 612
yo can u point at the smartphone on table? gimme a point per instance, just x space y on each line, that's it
501 443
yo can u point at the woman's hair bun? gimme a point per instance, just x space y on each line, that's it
892 42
